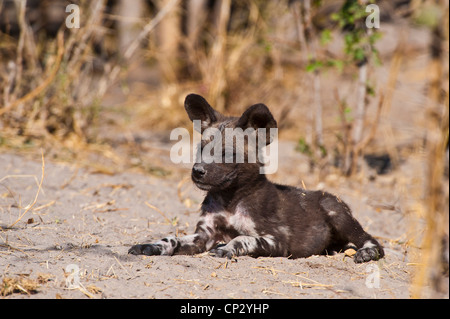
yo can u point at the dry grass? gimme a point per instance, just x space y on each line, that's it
56 92
28 207
19 284
49 92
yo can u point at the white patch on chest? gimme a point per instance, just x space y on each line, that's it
242 222
240 219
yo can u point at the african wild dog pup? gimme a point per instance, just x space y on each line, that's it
254 216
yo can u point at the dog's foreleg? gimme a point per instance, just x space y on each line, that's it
252 246
168 246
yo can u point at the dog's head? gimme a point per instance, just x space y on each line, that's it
229 153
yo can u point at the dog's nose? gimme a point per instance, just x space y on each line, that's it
198 171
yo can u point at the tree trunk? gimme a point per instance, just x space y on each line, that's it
217 80
358 122
169 37
130 12
195 19
305 31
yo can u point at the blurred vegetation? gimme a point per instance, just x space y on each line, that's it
55 79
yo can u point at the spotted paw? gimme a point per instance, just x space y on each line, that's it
366 254
221 252
146 249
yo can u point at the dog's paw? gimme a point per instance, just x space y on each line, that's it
366 254
221 252
146 249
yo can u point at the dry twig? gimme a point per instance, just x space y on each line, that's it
35 198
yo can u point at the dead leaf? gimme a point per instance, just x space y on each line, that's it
350 252
94 289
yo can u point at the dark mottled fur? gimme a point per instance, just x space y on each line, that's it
256 217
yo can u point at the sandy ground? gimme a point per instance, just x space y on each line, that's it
87 221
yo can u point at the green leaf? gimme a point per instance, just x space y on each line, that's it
359 54
303 147
338 64
335 16
314 66
325 36
370 90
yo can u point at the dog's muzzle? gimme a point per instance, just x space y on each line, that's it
198 172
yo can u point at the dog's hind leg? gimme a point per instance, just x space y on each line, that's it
347 228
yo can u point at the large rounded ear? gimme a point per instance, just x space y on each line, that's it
258 116
199 109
